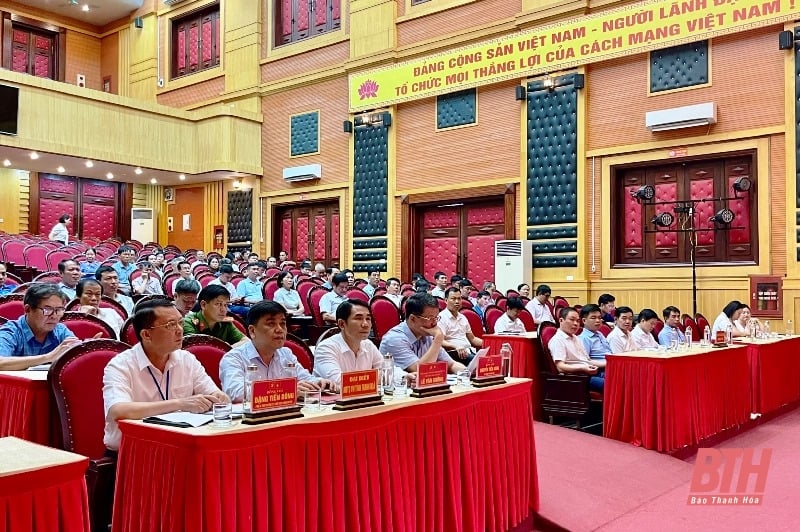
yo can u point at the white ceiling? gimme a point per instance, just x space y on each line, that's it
100 13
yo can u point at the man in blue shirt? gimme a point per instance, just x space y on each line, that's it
124 268
6 287
671 331
37 337
593 340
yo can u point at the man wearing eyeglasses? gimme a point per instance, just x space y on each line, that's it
155 376
418 338
37 337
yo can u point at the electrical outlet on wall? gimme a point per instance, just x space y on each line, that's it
81 81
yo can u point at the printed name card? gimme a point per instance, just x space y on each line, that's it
433 374
489 366
721 337
359 383
274 393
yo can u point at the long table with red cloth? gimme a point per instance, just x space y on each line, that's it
666 401
774 372
25 406
464 461
524 360
41 489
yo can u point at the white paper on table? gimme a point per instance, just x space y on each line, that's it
194 420
41 367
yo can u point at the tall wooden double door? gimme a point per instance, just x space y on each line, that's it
309 231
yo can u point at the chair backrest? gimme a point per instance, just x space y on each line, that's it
107 302
360 283
547 329
527 320
239 324
127 334
76 380
559 303
385 315
269 287
327 333
36 256
605 330
512 293
166 283
490 315
501 302
11 306
304 287
657 328
689 322
48 277
21 288
208 350
475 322
466 303
14 251
86 326
300 350
357 293
55 256
312 307
702 323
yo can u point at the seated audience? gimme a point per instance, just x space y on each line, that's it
155 376
671 331
455 281
458 337
266 325
489 286
88 293
148 283
249 289
212 317
70 275
483 300
509 322
393 290
351 278
538 306
596 345
746 320
334 298
726 318
373 282
213 265
350 349
186 295
319 271
90 265
329 273
156 259
524 290
200 256
642 334
606 304
287 296
569 353
6 286
418 339
224 279
124 268
620 336
110 282
37 337
441 285
185 273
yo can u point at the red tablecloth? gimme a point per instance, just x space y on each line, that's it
25 407
524 361
46 498
460 462
775 374
666 402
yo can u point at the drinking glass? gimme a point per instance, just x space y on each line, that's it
400 386
463 378
223 414
312 399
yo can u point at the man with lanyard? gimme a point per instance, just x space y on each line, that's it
155 376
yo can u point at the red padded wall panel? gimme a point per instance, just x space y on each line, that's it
98 220
320 237
50 210
335 236
493 214
703 188
440 254
286 236
436 218
480 266
301 239
741 209
666 192
633 219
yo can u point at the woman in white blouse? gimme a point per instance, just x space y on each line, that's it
60 232
287 296
729 315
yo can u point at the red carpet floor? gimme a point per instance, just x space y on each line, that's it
591 483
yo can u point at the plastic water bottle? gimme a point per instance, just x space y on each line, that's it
250 376
789 328
766 329
688 334
707 336
505 353
387 374
728 334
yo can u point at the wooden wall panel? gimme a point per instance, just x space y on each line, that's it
619 88
459 156
83 57
193 94
777 213
109 61
456 20
189 201
311 61
10 204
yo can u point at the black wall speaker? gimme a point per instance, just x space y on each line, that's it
520 93
347 126
785 40
578 81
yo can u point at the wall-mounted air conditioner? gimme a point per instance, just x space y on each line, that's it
513 264
302 173
701 114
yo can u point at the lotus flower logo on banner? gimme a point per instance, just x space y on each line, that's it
368 89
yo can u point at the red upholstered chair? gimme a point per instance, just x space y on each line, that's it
312 306
406 291
304 286
86 326
490 316
605 330
559 303
301 350
166 283
21 288
12 279
385 315
327 334
501 302
208 350
14 251
702 323
527 320
563 394
55 256
357 293
48 277
127 334
11 306
239 324
107 302
360 283
657 328
76 381
379 291
466 303
442 303
269 287
475 322
687 321
36 256
512 293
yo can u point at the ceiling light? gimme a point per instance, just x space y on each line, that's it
153 180
6 162
34 155
109 176
89 164
61 169
182 177
138 171
85 7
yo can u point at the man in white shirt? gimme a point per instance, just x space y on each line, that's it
393 290
538 306
569 353
458 337
331 301
351 349
224 279
185 272
70 275
373 281
441 285
155 376
109 280
620 336
267 328
510 322
642 334
148 283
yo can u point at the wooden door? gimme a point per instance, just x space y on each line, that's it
309 231
33 52
93 205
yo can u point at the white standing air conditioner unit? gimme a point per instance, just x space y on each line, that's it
143 225
302 173
701 114
513 264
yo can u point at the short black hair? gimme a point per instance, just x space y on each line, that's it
417 303
669 310
564 312
514 303
62 265
647 314
456 278
372 270
98 274
38 292
543 289
422 286
282 276
264 308
180 264
484 293
188 286
339 278
63 218
605 298
619 311
225 268
213 291
390 279
588 309
438 274
123 249
83 283
344 309
731 308
450 291
145 314
519 286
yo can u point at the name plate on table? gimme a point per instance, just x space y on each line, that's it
359 390
273 400
431 380
489 371
720 340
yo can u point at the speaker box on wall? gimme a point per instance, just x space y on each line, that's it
785 40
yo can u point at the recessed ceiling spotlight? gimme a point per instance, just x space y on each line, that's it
154 180
89 164
34 155
61 169
109 176
6 162
85 7
182 177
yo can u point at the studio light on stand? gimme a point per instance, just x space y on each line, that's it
723 217
663 219
644 193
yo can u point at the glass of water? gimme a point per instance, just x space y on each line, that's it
312 399
463 378
223 414
400 386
